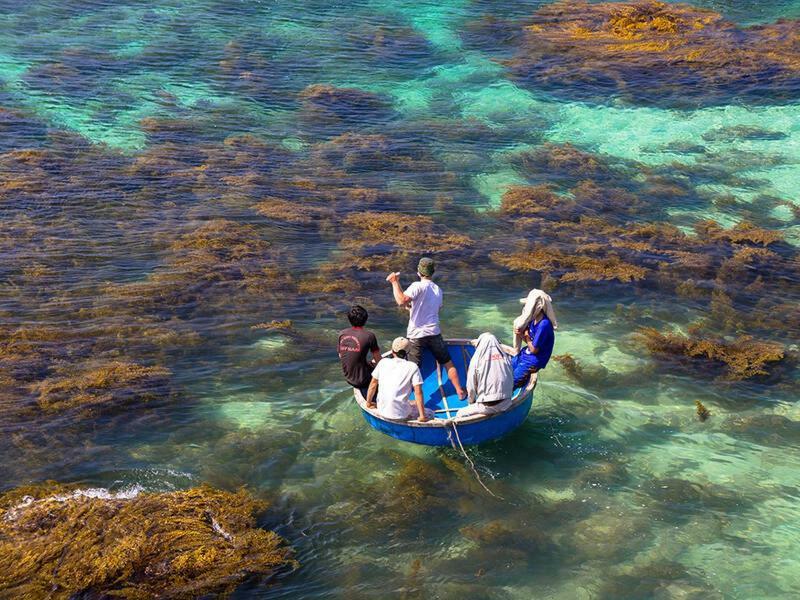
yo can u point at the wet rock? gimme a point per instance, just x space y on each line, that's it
603 474
665 580
607 534
769 429
680 495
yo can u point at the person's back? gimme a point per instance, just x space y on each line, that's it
355 346
490 378
426 300
396 377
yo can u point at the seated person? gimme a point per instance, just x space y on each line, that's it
355 346
490 378
392 381
539 339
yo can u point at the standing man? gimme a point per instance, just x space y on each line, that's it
425 299
355 346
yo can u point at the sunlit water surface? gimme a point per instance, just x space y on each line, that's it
612 487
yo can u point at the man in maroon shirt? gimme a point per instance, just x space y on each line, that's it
354 347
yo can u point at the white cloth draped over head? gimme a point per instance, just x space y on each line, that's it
536 303
490 376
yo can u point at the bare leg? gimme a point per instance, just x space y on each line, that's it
452 375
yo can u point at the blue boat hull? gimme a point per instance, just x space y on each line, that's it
470 433
441 398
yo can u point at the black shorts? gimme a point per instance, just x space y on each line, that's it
434 343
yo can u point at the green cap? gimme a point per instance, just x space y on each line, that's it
426 266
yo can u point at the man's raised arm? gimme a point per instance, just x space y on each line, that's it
397 291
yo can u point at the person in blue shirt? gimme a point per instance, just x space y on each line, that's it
539 338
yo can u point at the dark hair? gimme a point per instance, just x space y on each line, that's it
401 354
357 316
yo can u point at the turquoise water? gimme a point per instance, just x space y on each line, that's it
153 123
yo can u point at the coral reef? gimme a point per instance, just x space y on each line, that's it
62 542
656 53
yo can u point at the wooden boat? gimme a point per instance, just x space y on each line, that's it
441 397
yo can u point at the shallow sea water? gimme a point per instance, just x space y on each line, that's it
611 489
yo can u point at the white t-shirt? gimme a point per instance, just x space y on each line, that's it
426 300
396 378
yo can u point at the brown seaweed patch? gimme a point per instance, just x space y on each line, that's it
586 376
60 542
742 358
355 152
573 267
655 52
412 233
328 104
104 383
418 489
530 201
507 535
291 212
742 232
274 326
702 412
563 162
214 258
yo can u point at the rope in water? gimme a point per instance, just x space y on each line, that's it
469 460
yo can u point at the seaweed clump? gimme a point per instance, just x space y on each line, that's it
742 358
101 384
409 233
702 412
61 542
553 263
658 53
339 108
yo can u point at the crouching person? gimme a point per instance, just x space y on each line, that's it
490 378
539 339
397 377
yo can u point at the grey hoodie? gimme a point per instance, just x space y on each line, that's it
490 376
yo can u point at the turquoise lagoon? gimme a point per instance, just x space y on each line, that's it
613 488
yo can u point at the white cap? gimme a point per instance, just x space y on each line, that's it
399 344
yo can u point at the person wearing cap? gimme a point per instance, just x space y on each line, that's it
425 300
392 381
